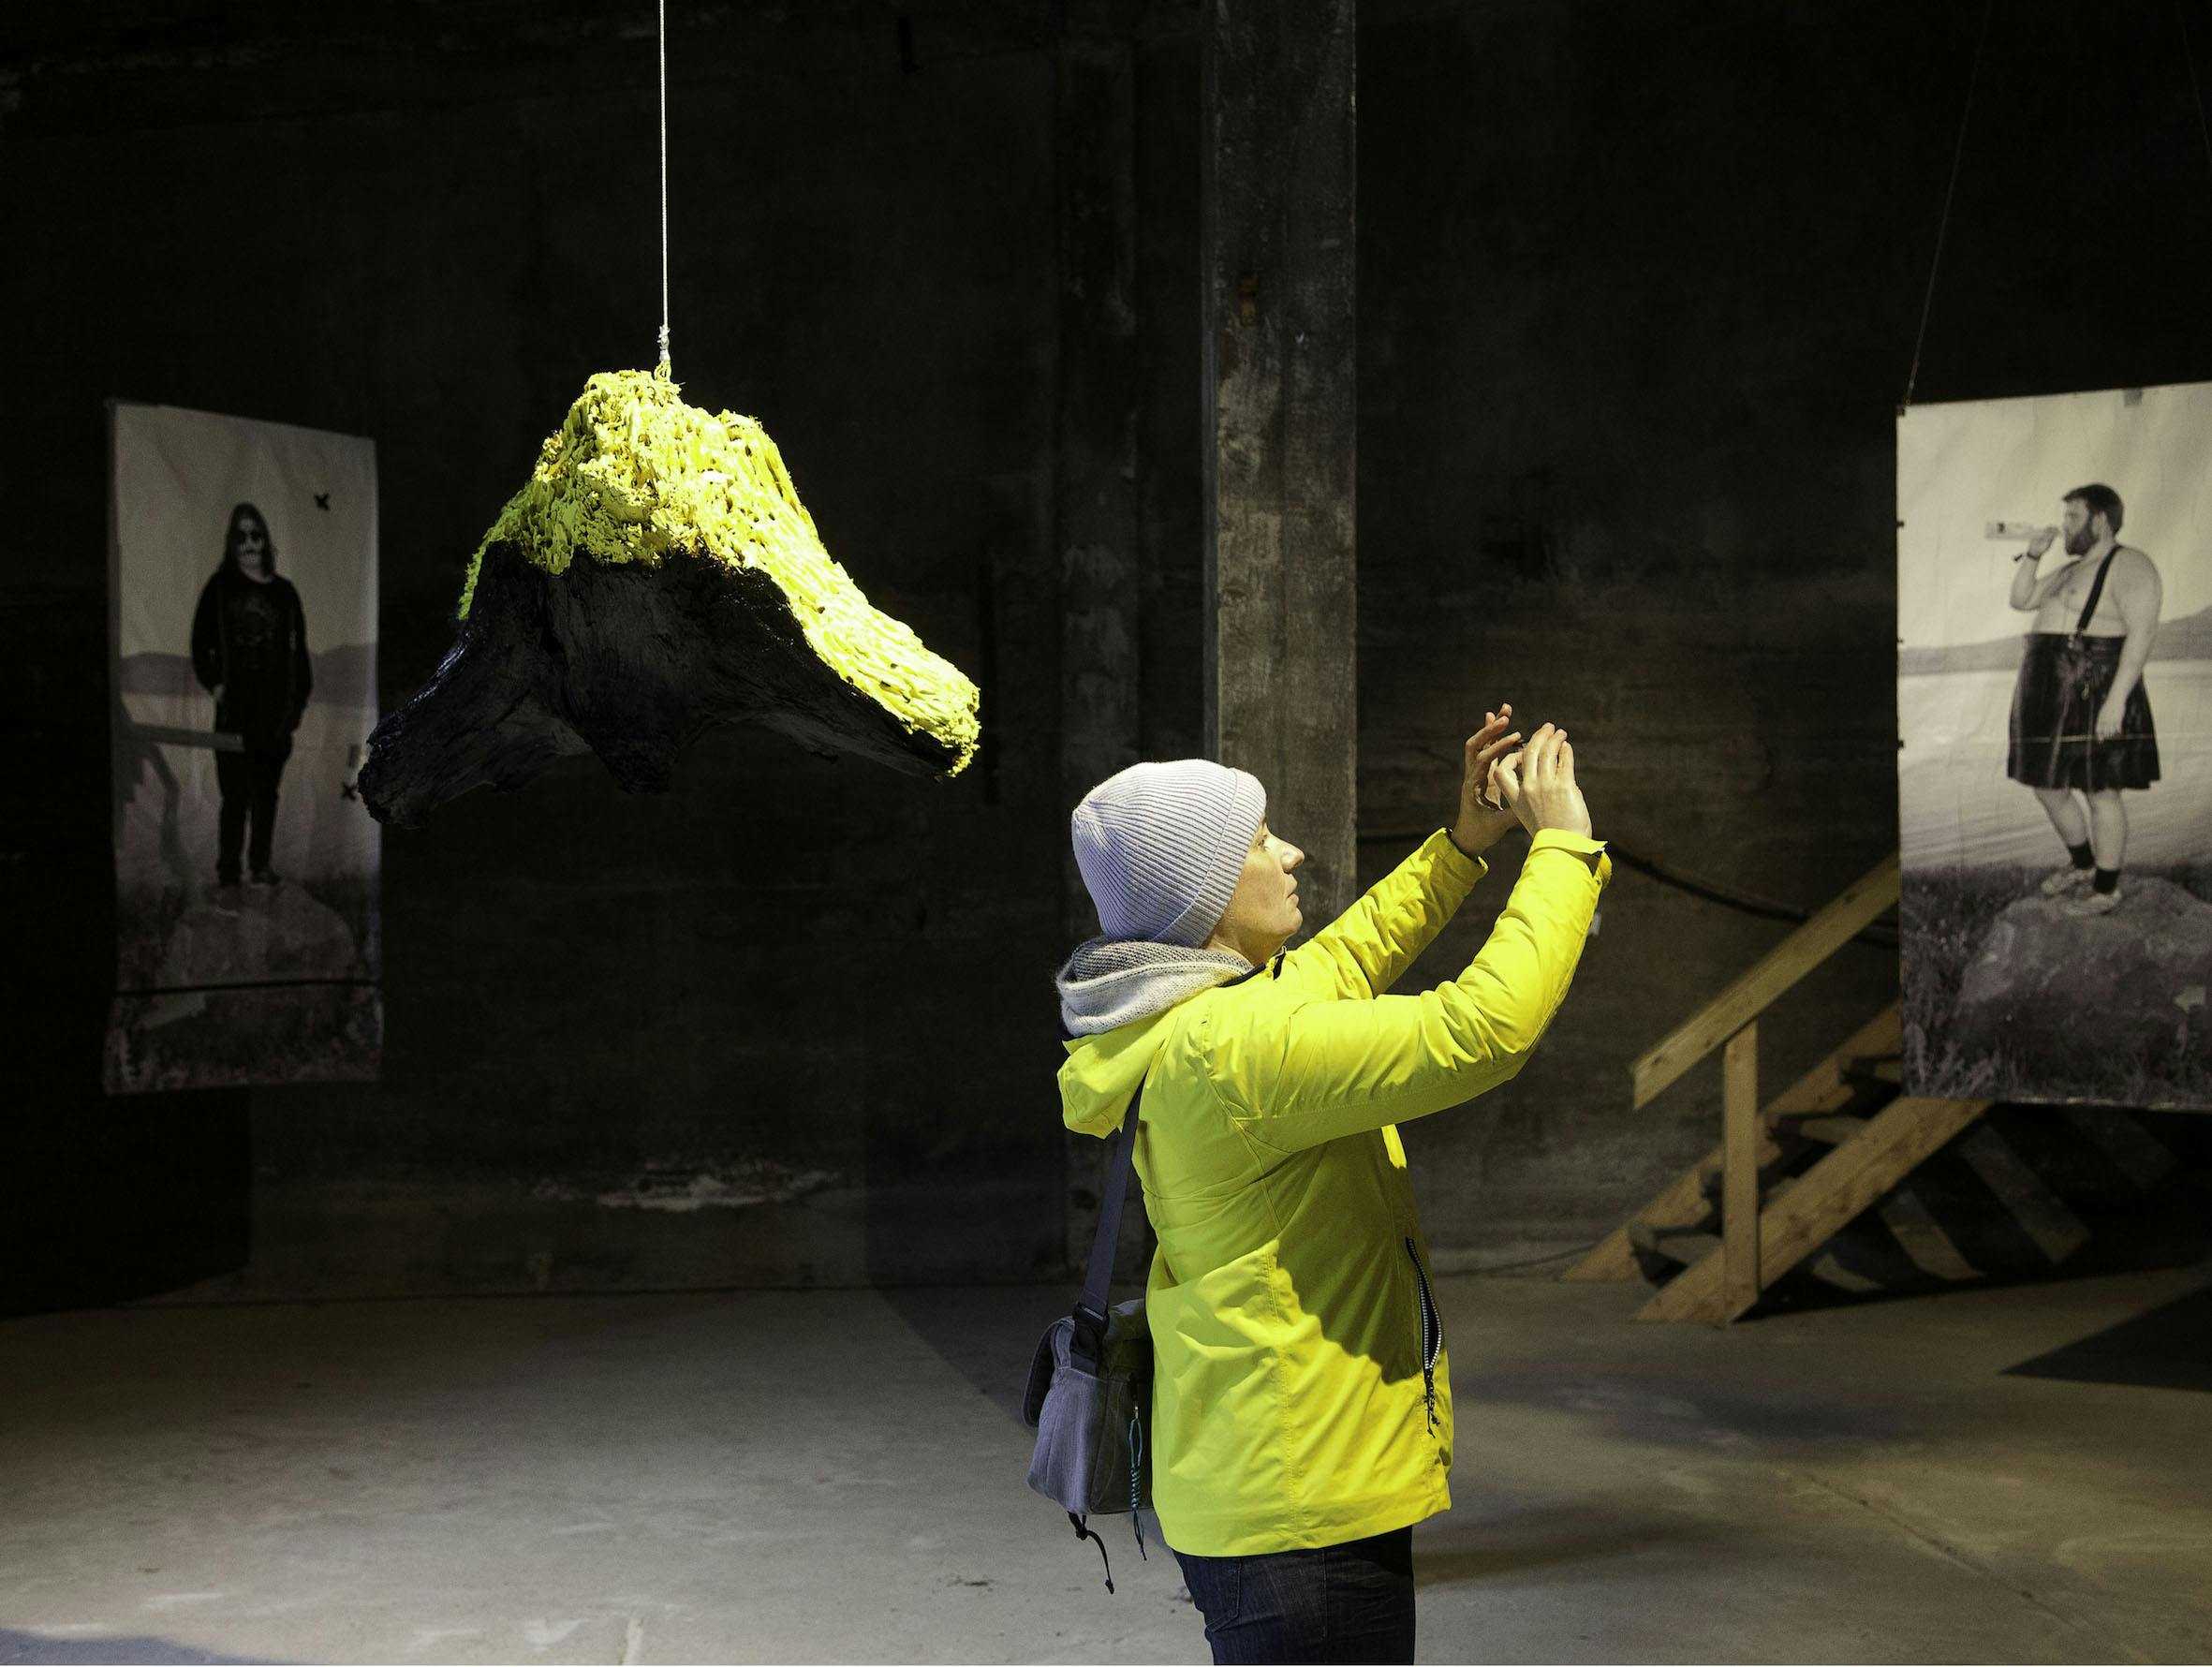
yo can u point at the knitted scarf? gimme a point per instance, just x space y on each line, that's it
1112 981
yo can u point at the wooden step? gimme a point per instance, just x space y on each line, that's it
1771 1185
1879 1070
1829 1269
1895 1142
1830 1128
1682 1203
1681 1246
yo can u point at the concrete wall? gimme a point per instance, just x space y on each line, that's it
786 975
1639 286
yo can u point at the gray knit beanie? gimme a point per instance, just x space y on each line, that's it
1162 847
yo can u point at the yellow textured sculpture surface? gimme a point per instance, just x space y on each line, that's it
634 473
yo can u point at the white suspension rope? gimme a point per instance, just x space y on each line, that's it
2189 57
1957 155
663 38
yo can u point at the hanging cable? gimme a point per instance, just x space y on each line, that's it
2189 57
1957 155
1483 1269
1743 902
661 34
1750 903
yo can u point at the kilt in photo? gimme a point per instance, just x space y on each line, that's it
2054 747
243 638
2064 681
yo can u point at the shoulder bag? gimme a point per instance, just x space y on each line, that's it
1089 1396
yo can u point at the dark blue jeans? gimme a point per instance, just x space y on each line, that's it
1349 1602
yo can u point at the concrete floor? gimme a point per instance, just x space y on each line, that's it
837 1476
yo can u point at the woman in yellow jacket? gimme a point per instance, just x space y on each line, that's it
1302 1402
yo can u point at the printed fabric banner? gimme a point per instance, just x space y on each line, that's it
2055 771
243 603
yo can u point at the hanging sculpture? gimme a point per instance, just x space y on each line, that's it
657 575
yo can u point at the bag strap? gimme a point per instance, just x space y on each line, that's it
1090 1307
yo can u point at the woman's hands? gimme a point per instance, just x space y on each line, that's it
1507 782
1483 819
1537 784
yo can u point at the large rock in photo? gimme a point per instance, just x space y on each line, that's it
249 935
2071 997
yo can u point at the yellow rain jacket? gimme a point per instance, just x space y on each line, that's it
1300 1386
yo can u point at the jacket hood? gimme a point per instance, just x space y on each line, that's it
1113 994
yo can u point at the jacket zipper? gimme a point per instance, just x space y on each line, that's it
1431 1333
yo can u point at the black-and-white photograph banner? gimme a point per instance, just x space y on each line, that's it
243 603
2055 770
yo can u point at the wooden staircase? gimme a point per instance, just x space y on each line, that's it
1789 1174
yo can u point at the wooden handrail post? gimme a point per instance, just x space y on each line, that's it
1739 1183
1750 996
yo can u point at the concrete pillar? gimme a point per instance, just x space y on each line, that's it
1095 511
1277 159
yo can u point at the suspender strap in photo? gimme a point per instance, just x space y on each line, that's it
2096 592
